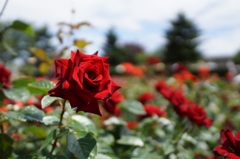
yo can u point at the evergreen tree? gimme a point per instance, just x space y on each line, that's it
182 41
236 58
117 54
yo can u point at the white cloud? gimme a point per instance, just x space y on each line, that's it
218 19
222 45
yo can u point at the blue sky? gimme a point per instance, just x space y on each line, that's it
139 21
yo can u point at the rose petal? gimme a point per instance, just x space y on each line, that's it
232 156
223 137
92 107
78 77
231 138
220 150
60 67
237 141
56 91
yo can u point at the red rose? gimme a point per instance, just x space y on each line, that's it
181 109
207 122
229 146
164 90
160 85
4 77
198 115
204 71
153 110
178 67
111 104
177 98
83 80
132 124
145 97
153 60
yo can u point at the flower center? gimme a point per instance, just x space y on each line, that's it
91 75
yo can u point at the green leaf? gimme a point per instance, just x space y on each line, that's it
24 157
22 82
14 115
51 120
114 121
103 148
20 25
107 138
87 123
133 106
188 138
17 94
81 147
102 156
47 100
145 152
76 126
5 146
36 91
35 131
57 157
130 140
51 136
28 113
32 113
167 147
42 86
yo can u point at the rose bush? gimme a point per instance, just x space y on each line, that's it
83 80
156 116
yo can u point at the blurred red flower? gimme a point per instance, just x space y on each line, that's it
181 109
178 67
198 115
152 110
185 75
163 89
153 60
111 104
129 69
16 136
184 107
4 77
229 75
132 124
145 97
177 98
204 71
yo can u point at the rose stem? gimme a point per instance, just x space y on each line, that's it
60 124
180 135
1 128
178 139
